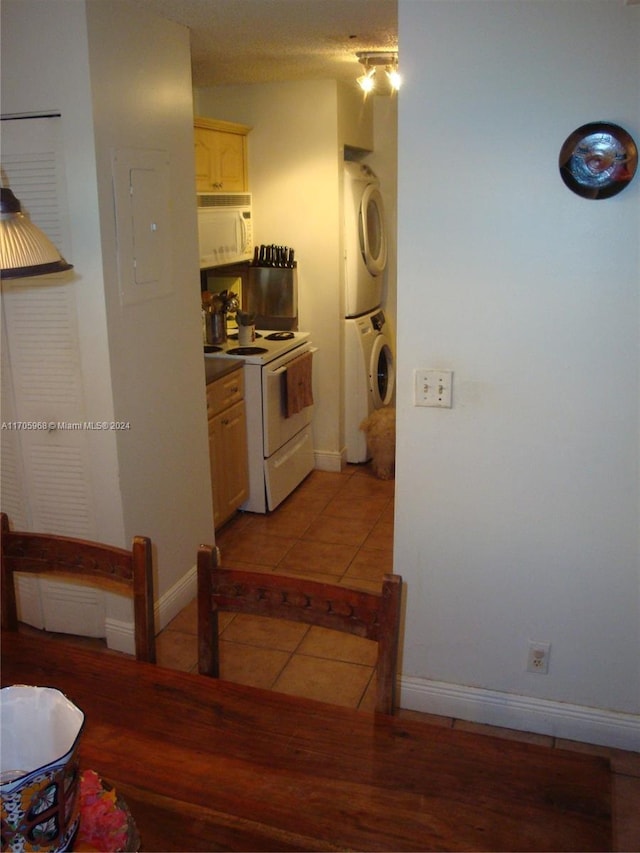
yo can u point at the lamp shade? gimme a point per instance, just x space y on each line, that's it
24 249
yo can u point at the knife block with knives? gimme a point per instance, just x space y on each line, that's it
271 288
279 257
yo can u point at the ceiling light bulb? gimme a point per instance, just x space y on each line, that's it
366 82
395 80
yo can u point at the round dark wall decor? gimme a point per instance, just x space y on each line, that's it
598 160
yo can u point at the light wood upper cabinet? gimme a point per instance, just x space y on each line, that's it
220 156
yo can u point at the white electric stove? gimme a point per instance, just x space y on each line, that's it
280 447
267 346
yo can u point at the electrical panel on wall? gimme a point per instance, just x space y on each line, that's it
141 200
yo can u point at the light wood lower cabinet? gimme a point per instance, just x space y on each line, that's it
227 445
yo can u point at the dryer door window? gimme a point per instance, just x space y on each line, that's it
371 228
381 372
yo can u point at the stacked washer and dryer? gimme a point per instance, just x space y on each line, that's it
369 368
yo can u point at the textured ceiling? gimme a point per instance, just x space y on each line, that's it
257 41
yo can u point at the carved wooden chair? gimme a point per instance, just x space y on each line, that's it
104 566
375 616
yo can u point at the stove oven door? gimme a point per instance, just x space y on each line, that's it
278 428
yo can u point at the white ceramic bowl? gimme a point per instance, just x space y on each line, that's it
40 733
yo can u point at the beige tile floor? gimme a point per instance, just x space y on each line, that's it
339 528
336 528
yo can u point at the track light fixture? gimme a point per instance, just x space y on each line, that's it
371 61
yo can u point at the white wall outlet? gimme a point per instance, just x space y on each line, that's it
433 388
538 659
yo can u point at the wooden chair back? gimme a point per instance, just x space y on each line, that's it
375 616
104 566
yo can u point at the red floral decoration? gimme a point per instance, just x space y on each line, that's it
103 825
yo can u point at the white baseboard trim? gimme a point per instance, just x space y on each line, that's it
524 713
119 635
176 598
325 460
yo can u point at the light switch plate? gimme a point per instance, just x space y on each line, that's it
433 388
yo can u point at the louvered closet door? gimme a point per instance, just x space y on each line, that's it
46 483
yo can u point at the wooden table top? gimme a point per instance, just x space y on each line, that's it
208 765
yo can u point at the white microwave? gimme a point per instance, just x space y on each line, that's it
225 228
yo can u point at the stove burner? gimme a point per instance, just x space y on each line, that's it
234 336
247 350
209 348
279 336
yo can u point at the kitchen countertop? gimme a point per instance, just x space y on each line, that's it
215 368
